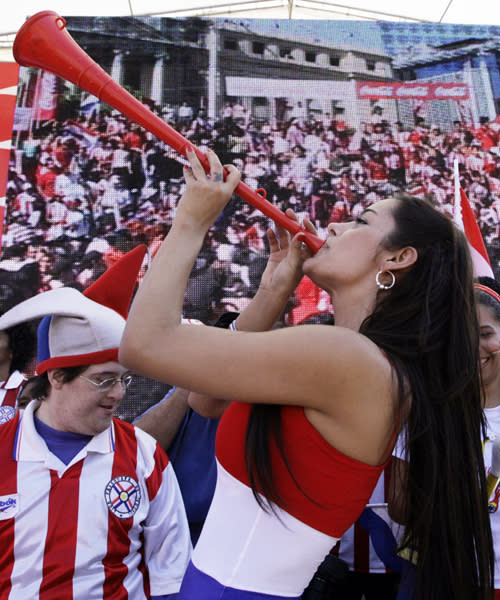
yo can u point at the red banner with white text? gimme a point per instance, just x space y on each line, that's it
376 90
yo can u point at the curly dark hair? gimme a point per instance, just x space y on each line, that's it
22 337
22 344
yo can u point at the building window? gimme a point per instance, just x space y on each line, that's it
311 57
258 47
334 61
408 75
370 65
230 44
260 101
285 52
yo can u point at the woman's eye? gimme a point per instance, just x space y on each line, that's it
360 220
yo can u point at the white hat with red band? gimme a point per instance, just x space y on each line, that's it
81 328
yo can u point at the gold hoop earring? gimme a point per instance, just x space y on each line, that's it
381 285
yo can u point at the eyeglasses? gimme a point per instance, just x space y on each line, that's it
108 384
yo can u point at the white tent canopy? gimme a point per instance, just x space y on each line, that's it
446 11
481 12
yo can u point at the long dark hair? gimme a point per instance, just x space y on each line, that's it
427 326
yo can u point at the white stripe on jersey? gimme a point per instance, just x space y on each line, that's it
92 524
32 538
165 551
255 550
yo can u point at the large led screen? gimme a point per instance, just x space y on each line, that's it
326 116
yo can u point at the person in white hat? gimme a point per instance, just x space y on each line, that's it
89 505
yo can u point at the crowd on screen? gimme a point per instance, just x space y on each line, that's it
81 192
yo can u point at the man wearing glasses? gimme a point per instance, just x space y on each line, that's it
89 505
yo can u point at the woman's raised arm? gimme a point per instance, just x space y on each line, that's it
331 369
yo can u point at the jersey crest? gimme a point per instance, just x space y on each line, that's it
123 496
6 413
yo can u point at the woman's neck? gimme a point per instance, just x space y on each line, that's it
492 394
351 309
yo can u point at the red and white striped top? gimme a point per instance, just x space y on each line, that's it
246 548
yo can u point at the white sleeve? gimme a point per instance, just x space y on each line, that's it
167 542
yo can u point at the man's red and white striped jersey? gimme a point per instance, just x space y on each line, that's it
109 525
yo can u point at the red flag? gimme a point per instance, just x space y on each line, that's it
474 236
45 97
465 219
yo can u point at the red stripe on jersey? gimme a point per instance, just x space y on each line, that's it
8 486
124 464
10 397
142 567
154 481
60 544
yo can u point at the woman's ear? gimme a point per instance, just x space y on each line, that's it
402 259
